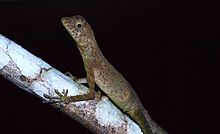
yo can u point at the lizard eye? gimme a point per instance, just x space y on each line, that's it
79 25
79 28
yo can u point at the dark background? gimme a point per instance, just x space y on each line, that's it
167 50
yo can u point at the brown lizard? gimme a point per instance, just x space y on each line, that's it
101 72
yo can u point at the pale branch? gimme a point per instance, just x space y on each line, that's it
38 78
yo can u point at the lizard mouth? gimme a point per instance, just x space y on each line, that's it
65 20
67 23
74 25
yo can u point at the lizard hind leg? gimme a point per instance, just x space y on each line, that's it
79 80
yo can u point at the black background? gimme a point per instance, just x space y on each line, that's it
167 50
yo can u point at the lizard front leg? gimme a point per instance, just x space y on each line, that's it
91 82
63 97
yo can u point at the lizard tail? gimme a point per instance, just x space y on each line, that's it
138 116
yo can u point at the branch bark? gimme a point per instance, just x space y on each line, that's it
38 78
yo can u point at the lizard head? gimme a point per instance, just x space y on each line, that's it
77 26
79 29
82 33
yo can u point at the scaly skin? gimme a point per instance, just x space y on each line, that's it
101 72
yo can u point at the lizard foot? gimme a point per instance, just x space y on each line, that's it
61 97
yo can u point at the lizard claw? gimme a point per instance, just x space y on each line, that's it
61 97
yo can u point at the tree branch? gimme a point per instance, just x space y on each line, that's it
37 77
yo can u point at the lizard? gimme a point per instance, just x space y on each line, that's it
99 71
